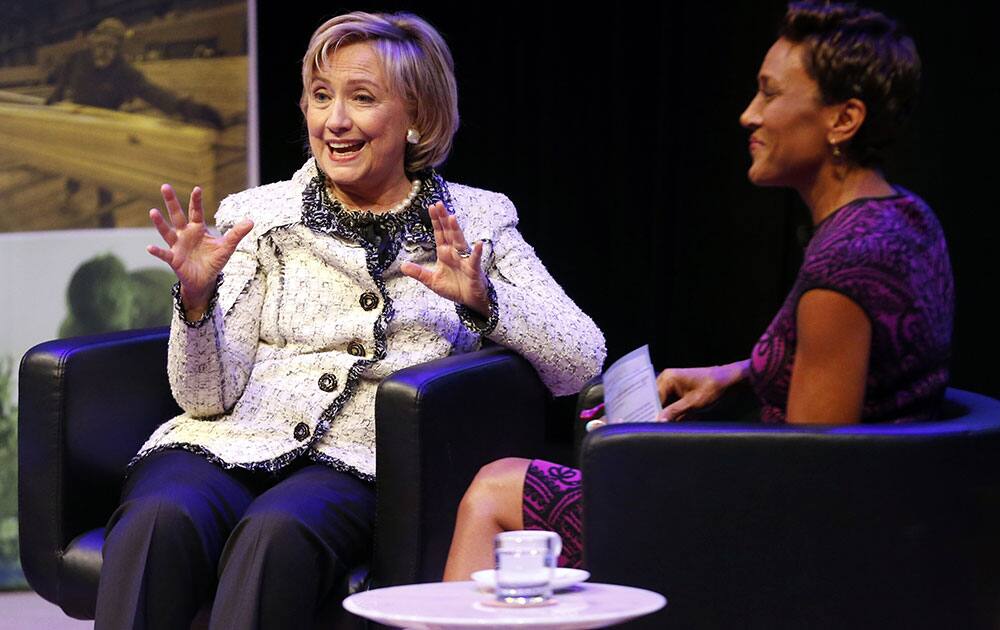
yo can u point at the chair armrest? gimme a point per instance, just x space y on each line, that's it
770 526
737 404
590 396
86 404
436 425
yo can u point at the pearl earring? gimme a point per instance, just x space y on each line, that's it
836 151
412 135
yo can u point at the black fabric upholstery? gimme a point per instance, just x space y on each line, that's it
87 404
756 526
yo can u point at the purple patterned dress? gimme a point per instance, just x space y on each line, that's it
552 500
889 256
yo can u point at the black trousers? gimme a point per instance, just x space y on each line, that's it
273 548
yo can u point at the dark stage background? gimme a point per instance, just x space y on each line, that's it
616 135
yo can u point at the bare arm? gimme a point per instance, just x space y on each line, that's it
831 360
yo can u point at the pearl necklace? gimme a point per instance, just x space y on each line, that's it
399 207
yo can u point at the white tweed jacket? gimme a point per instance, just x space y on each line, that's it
308 321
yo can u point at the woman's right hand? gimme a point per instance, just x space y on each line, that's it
195 255
696 388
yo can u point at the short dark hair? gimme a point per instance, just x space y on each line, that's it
853 52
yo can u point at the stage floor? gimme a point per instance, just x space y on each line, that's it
24 610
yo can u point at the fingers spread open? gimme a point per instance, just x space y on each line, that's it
174 210
237 233
438 216
476 258
417 272
455 234
163 254
196 213
161 225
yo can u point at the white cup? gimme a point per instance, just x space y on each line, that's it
525 562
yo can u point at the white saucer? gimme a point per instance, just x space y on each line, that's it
563 578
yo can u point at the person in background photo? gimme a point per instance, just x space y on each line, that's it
865 333
99 76
261 494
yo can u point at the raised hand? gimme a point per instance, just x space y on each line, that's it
696 388
195 255
458 274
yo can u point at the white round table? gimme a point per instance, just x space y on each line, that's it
453 605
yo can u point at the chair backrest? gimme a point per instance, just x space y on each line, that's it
786 527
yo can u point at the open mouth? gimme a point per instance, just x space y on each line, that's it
345 148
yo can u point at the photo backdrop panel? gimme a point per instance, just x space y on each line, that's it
99 106
108 107
60 284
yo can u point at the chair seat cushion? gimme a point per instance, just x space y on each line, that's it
81 568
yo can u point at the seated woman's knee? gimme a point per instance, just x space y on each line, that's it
270 525
162 526
494 482
279 543
163 510
502 473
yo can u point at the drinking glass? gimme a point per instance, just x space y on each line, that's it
525 562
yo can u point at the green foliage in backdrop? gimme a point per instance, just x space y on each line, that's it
102 296
10 568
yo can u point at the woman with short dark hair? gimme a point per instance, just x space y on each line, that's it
865 333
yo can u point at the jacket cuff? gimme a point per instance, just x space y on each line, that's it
209 311
474 321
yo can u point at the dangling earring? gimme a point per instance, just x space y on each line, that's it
412 135
840 166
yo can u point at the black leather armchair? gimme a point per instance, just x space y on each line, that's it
757 526
87 404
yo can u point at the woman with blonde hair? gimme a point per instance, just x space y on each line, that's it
364 262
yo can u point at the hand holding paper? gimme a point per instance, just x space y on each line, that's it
696 388
630 391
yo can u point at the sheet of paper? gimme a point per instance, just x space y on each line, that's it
630 393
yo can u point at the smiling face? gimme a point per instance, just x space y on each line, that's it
788 121
357 128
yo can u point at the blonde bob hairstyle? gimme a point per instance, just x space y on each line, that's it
417 64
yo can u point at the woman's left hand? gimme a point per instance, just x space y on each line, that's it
458 274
